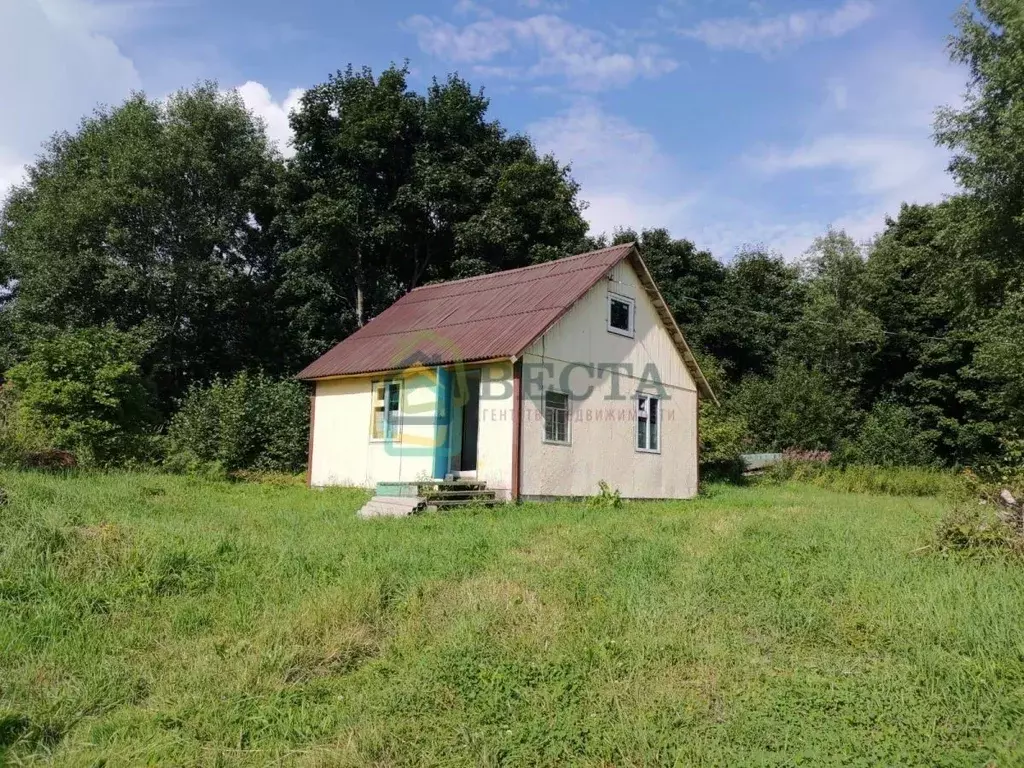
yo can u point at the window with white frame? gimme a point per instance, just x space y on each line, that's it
621 314
556 417
648 424
387 414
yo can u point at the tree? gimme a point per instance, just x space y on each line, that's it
84 391
796 408
154 212
987 134
748 321
390 189
836 333
913 286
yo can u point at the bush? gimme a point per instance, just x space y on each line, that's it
723 428
723 433
249 423
797 408
889 481
16 439
81 391
890 436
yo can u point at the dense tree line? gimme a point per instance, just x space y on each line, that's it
170 241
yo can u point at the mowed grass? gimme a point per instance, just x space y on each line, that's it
163 620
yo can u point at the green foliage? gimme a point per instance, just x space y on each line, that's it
747 321
998 362
987 134
606 497
390 189
723 429
890 437
251 422
836 334
18 437
83 391
797 408
155 212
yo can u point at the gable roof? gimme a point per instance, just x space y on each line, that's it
488 317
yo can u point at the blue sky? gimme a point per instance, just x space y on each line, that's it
727 121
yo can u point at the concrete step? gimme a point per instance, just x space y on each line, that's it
391 506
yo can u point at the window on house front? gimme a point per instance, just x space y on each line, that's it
648 424
621 311
556 417
387 398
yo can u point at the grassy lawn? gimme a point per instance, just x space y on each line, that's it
148 618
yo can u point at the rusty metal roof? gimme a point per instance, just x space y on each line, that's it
488 317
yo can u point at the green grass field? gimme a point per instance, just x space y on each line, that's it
157 619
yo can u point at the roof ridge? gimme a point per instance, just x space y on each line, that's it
523 269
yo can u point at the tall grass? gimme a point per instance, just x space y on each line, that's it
893 481
155 619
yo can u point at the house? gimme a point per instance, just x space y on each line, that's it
540 382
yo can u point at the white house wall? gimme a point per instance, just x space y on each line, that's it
603 429
494 442
343 453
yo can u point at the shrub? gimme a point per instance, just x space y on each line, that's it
83 391
797 408
723 428
723 432
18 439
890 436
249 423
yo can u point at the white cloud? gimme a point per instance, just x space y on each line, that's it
587 58
772 35
258 99
626 178
874 146
57 66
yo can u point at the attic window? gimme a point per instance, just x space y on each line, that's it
621 313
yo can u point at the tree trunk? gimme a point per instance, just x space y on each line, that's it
360 303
